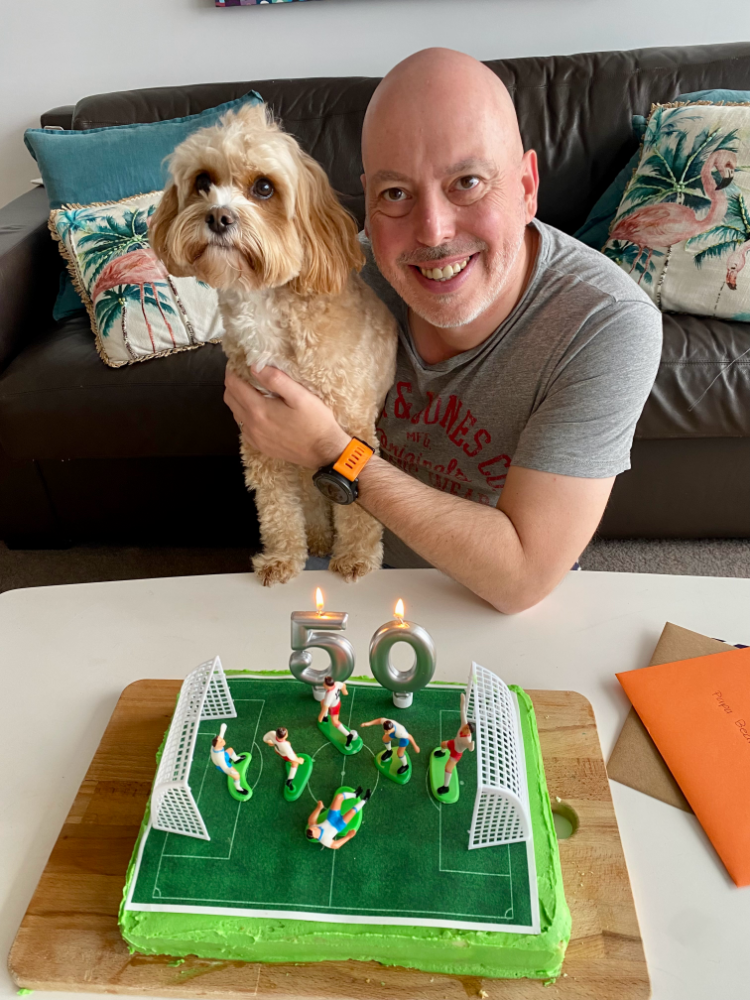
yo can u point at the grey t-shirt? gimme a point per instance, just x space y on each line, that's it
557 387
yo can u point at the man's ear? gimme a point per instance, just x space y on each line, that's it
158 231
329 234
530 183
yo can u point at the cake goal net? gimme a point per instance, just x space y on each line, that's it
203 695
501 813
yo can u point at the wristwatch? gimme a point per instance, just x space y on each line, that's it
338 482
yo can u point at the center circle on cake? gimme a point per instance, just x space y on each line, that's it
332 770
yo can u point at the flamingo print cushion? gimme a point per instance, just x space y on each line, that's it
137 310
682 230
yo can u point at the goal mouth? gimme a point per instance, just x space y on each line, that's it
501 811
204 695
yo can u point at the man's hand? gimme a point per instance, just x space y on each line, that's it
293 425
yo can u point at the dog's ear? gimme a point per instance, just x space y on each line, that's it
158 231
329 234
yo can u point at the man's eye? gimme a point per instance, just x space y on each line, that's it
467 183
203 182
262 188
394 194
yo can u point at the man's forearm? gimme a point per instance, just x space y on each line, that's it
473 543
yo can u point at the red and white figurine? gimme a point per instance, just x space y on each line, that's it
279 740
330 707
456 747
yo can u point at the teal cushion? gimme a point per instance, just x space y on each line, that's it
68 302
718 96
107 164
595 230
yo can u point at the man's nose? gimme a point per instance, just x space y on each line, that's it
220 219
434 219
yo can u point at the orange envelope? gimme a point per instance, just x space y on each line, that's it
698 714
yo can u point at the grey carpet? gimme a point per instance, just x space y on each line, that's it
87 564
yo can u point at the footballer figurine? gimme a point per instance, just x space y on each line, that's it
225 759
326 831
393 731
279 740
347 741
455 748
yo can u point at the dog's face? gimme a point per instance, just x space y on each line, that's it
248 209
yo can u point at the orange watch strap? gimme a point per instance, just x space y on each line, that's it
353 459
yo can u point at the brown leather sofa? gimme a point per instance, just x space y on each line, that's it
148 453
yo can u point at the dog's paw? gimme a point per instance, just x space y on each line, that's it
353 566
273 569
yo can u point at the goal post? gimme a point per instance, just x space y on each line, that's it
501 811
204 695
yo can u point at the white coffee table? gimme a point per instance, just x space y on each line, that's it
66 653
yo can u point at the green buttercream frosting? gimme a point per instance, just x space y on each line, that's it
433 949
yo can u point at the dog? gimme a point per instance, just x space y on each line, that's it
250 213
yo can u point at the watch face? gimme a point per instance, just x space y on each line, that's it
335 488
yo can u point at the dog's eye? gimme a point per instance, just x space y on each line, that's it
203 183
262 188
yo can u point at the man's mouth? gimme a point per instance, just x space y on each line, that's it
446 272
445 277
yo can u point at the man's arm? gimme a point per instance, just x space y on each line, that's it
512 555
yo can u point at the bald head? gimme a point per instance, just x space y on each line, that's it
449 190
436 90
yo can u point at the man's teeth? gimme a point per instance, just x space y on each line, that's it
443 273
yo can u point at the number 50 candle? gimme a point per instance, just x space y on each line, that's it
402 683
317 630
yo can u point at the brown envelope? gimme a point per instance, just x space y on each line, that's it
635 761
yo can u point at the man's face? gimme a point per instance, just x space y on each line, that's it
448 200
220 743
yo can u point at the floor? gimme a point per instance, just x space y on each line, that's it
86 564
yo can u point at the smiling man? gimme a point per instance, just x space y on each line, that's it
524 357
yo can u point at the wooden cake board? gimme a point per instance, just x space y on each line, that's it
69 939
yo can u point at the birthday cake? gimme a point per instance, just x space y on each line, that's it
450 864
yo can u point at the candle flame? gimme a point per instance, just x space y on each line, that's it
319 602
399 612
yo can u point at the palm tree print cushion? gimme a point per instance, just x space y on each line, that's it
682 230
137 310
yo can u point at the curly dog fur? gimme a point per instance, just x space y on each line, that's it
251 214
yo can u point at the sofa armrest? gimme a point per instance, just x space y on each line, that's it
30 266
61 117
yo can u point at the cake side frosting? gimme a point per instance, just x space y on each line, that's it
432 949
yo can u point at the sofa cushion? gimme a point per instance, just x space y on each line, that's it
107 164
58 401
703 385
137 310
682 230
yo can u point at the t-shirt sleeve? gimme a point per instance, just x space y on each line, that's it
585 421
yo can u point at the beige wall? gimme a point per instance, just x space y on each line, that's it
53 52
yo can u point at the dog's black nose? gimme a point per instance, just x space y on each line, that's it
220 219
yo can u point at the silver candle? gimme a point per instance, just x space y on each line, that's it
403 683
317 629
